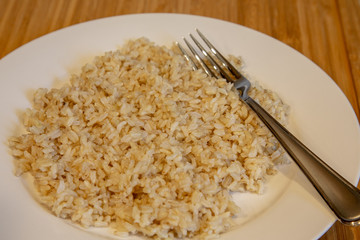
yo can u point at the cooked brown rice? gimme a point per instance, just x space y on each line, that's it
141 143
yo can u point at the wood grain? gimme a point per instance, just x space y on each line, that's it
350 20
326 31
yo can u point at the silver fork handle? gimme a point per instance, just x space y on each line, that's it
340 195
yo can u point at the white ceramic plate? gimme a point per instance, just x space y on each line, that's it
321 117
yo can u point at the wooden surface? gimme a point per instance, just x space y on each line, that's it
326 31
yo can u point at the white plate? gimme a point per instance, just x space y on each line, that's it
320 113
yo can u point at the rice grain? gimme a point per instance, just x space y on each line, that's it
141 143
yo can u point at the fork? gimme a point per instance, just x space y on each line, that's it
341 196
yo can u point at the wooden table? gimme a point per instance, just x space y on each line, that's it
326 31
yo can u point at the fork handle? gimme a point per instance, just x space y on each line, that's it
340 195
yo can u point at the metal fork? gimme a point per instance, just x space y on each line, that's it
340 195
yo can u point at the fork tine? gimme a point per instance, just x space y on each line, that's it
223 60
187 57
199 59
212 61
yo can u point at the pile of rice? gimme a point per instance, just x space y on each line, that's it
141 143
